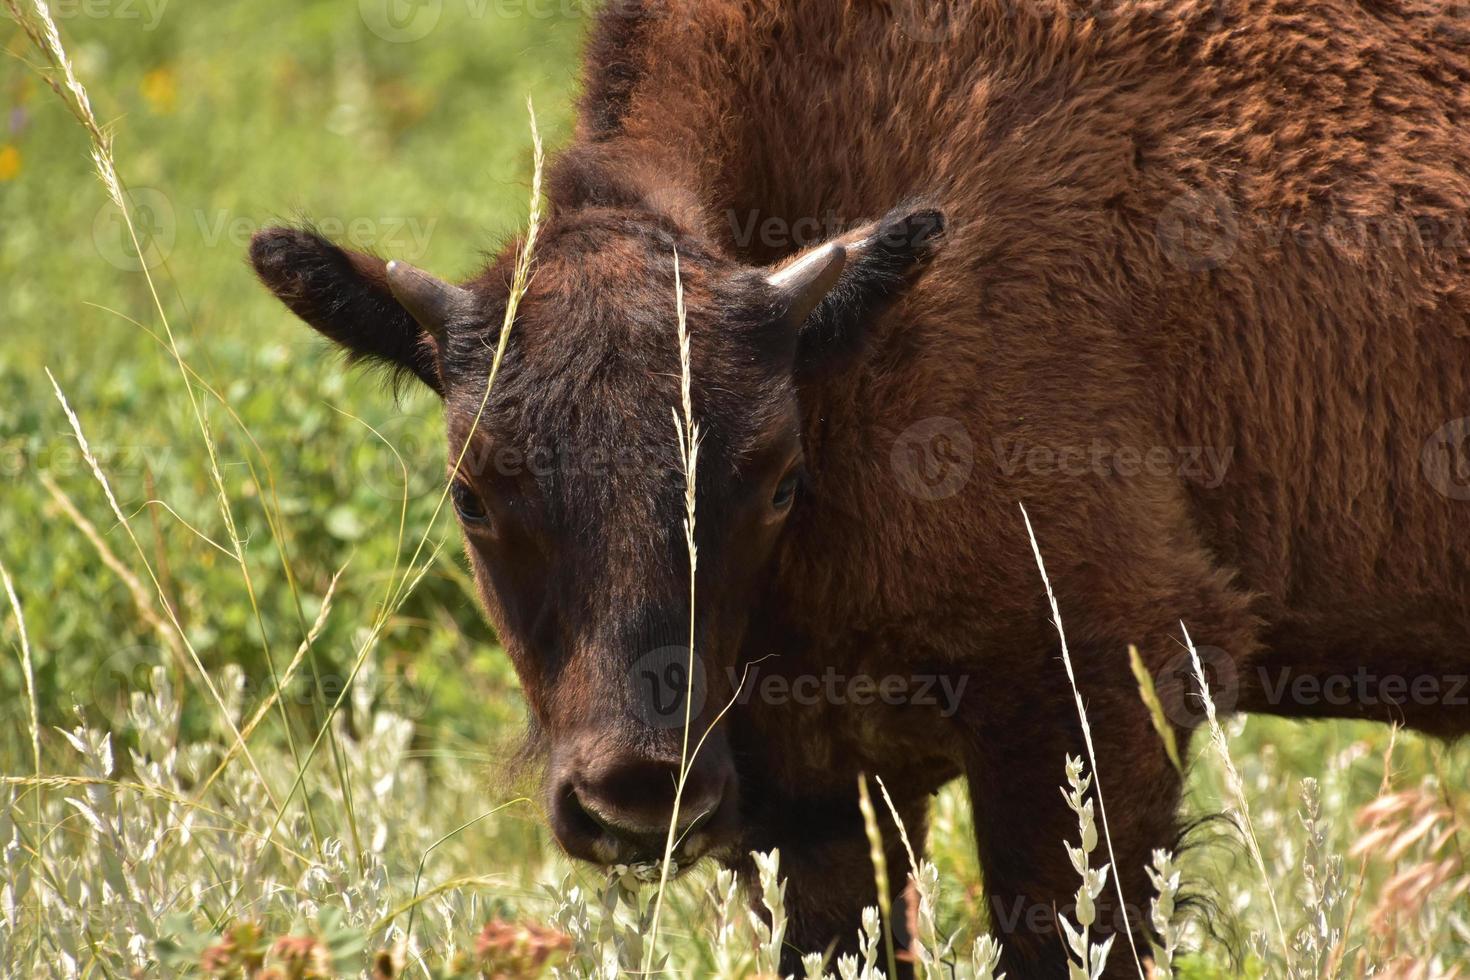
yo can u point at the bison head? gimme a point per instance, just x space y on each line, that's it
568 485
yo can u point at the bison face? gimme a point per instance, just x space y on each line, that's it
567 480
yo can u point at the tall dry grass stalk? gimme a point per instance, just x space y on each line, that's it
39 27
933 952
1237 789
28 671
1056 614
27 668
1156 715
686 429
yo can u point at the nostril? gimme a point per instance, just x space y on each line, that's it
702 797
632 794
576 821
634 802
591 819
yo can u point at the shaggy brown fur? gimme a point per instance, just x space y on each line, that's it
1202 304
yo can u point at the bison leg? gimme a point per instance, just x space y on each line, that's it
1022 821
827 864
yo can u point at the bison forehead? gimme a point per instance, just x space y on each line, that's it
594 370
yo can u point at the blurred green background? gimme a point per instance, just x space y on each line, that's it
401 127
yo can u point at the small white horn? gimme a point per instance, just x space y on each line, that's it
430 301
804 282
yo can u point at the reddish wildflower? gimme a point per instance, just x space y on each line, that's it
517 949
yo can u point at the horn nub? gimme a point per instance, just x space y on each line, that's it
430 301
806 281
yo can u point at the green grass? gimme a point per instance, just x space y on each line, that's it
231 116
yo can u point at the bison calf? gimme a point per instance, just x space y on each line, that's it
1188 279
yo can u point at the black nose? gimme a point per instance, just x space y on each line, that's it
619 813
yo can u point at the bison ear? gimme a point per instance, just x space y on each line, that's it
849 282
383 312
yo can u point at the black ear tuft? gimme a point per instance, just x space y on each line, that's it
912 236
885 258
344 296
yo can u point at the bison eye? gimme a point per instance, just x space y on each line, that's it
467 504
786 491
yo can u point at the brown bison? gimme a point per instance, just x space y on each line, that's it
1189 280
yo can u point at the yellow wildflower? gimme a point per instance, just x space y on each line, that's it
159 90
